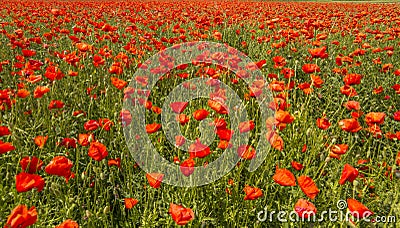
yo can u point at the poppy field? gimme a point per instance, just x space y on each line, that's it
328 74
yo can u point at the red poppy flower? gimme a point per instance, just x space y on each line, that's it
352 79
377 90
179 140
6 147
187 167
349 173
105 123
275 140
223 144
219 123
279 61
126 117
316 81
68 143
350 125
357 209
246 152
308 186
323 123
310 68
337 150
396 116
318 52
349 105
178 107
21 217
252 193
60 166
130 202
40 91
182 119
118 83
23 93
28 53
154 179
225 134
219 107
31 165
114 162
91 125
4 131
180 214
305 209
40 141
284 177
348 91
297 166
97 151
25 182
115 68
200 114
198 150
151 128
246 126
85 139
68 224
375 118
55 104
284 117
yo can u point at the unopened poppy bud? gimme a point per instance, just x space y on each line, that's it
106 209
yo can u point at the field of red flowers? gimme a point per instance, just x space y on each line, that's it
332 69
